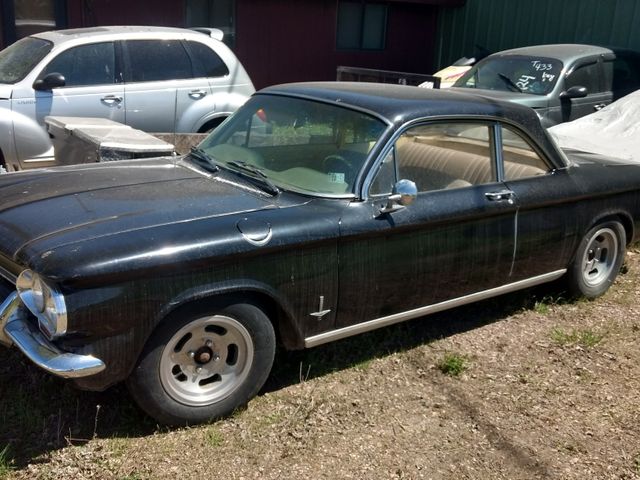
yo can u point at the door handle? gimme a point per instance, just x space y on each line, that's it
197 94
499 196
599 106
111 100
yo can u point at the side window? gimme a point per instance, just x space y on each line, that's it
157 60
206 62
584 76
447 155
520 159
85 65
622 75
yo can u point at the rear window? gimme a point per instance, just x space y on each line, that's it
157 60
17 60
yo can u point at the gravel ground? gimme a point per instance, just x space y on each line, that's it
526 386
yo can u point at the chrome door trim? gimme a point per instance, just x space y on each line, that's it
437 307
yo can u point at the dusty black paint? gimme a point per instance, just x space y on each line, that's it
129 243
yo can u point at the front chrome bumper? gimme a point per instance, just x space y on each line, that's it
16 330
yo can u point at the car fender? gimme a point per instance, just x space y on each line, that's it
7 142
265 295
212 106
23 130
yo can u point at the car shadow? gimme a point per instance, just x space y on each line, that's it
292 367
40 413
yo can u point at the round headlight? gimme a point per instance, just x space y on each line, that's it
44 301
37 292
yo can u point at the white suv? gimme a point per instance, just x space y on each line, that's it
156 79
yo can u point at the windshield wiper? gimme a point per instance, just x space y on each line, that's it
203 159
254 173
510 82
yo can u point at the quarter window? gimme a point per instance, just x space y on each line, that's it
206 62
519 158
361 26
157 60
85 65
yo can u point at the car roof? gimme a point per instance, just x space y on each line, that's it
398 104
566 52
117 31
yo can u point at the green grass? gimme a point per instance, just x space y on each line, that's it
213 437
453 364
584 338
6 463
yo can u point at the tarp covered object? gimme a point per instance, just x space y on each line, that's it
613 131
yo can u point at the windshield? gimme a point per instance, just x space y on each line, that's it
296 144
514 73
17 60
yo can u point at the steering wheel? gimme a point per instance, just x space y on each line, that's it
335 163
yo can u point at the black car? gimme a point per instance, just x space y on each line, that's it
561 82
316 212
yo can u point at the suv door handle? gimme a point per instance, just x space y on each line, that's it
499 196
111 100
197 94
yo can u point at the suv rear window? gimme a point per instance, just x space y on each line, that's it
157 60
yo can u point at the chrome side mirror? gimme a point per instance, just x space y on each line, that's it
403 194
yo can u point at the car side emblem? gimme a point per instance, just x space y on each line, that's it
321 312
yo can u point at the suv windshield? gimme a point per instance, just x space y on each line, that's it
514 73
296 144
17 60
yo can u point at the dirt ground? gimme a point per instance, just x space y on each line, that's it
544 389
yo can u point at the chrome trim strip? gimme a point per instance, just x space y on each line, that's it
7 275
437 307
28 339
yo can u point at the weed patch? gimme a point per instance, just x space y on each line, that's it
584 338
453 364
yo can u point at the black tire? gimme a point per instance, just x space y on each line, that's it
202 365
598 260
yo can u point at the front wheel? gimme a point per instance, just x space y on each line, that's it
201 366
598 260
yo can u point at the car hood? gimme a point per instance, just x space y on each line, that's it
533 101
5 91
43 210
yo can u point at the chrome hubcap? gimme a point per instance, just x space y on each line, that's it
600 257
206 360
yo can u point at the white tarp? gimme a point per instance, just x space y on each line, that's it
613 131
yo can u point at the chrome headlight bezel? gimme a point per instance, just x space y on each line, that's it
44 301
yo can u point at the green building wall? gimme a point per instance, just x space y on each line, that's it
501 24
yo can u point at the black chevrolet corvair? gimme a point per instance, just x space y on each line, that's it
316 212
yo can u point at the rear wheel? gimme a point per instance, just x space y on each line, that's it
598 260
200 366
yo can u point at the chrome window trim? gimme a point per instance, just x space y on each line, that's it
8 276
345 332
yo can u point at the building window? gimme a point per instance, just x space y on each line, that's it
361 25
213 13
21 18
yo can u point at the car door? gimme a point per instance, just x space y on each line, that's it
454 240
92 88
548 222
159 84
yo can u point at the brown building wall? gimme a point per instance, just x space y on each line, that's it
283 41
